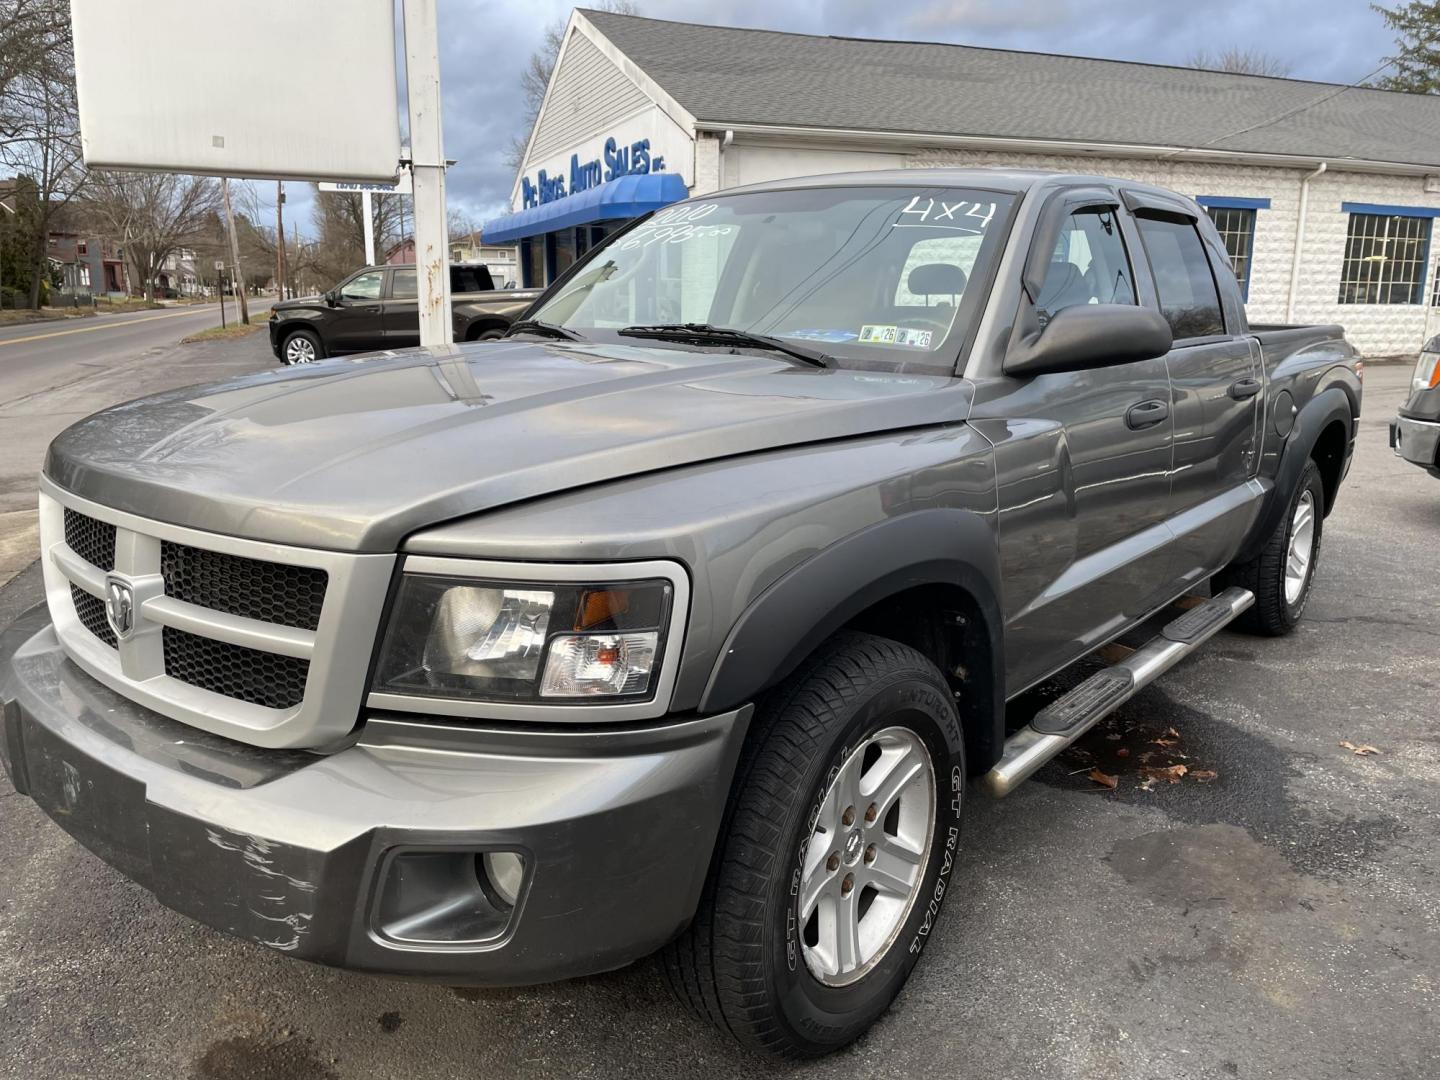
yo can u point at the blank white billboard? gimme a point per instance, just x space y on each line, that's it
284 89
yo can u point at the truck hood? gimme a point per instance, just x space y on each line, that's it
354 455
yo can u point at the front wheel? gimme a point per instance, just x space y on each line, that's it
301 347
838 853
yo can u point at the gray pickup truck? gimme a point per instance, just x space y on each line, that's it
1415 432
678 621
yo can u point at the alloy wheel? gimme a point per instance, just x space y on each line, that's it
1302 547
866 855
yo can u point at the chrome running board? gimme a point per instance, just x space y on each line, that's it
1067 718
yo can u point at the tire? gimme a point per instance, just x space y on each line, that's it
1277 609
490 335
753 962
301 347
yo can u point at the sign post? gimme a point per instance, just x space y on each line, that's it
427 166
220 288
368 190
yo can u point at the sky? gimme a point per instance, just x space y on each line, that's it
485 44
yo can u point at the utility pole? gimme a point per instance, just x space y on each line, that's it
427 165
280 259
239 275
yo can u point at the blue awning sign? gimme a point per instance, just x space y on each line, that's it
622 198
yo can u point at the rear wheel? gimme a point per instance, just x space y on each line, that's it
1282 573
838 853
301 347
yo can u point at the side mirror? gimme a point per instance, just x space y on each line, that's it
1091 336
332 298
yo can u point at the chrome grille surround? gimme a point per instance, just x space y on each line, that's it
337 651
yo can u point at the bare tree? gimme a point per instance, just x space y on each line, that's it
1239 61
339 221
32 33
153 215
535 79
39 124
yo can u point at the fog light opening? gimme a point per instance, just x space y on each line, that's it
502 873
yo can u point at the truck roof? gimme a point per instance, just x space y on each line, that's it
993 179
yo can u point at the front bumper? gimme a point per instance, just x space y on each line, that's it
273 328
319 856
1417 441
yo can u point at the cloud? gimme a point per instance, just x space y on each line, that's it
485 44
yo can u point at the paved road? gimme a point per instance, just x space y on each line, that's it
54 373
1280 921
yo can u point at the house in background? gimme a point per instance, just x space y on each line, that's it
88 265
503 262
403 252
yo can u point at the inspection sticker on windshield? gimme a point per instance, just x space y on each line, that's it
877 334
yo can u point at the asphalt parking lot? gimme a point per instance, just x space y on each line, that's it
1279 918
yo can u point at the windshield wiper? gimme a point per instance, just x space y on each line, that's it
705 334
544 329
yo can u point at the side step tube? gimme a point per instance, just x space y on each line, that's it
1063 721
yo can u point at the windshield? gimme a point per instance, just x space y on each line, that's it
874 277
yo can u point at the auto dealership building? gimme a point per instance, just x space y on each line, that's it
1326 196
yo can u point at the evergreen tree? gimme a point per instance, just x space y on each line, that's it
1416 66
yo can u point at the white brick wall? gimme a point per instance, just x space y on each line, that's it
1377 329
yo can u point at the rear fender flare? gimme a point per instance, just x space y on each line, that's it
1329 405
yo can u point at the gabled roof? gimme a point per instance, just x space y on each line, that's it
763 77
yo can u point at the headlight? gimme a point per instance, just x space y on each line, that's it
1427 372
459 637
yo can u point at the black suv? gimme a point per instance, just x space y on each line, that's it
377 308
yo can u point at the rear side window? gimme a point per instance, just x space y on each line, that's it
1189 298
465 279
402 286
1088 265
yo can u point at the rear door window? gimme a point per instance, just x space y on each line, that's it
1189 297
402 285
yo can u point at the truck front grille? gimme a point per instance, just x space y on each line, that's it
261 678
93 541
90 610
262 642
267 591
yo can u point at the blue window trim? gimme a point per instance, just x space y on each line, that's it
1225 202
1232 202
1390 211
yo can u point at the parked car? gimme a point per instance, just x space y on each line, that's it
377 308
1415 433
678 620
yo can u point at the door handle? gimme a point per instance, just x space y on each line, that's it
1244 388
1146 414
371 310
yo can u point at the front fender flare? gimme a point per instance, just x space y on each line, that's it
812 601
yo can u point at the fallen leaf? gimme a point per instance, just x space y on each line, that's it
1166 742
1171 733
1124 751
1203 775
1363 750
1148 784
1172 773
1104 779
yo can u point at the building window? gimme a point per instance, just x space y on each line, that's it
1237 231
1385 258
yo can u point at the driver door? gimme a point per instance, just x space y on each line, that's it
1084 477
358 322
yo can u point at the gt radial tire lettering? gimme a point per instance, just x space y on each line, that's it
937 896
